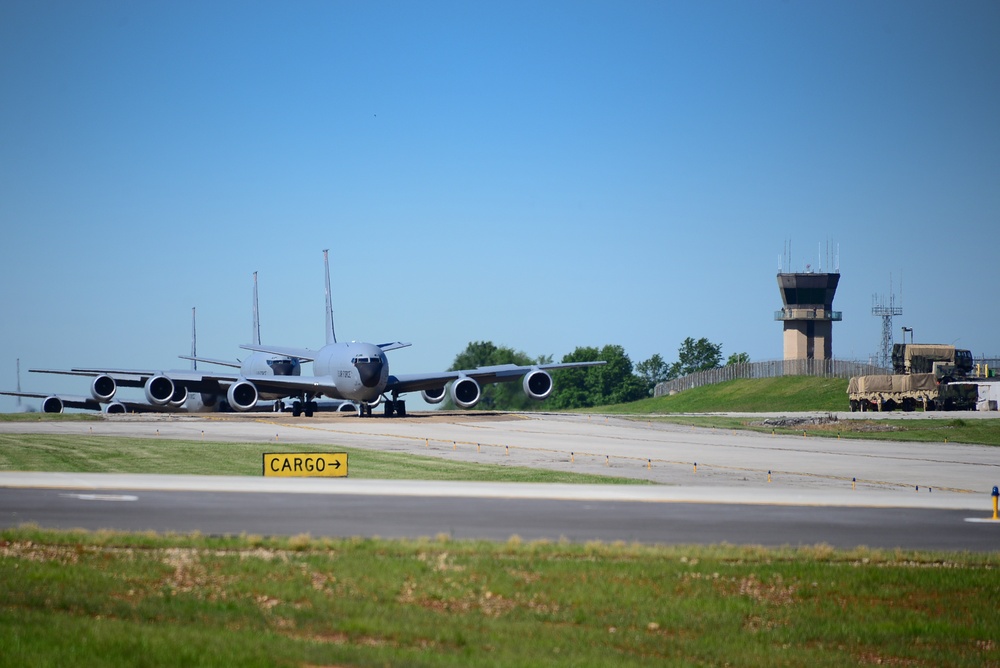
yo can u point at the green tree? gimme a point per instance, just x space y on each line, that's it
611 383
738 358
652 371
572 386
616 382
694 356
496 396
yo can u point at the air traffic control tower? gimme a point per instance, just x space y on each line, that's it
808 314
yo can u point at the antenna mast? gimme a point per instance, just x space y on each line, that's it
886 311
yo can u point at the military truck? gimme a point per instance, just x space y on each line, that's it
927 376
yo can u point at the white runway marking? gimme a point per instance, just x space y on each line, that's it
102 497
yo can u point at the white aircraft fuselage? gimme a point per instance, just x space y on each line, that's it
359 371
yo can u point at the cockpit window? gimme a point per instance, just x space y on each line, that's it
284 367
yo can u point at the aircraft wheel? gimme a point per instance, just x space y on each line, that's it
400 408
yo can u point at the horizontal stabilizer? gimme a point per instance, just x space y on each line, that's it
304 354
207 360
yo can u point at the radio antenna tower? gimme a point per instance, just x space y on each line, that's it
886 312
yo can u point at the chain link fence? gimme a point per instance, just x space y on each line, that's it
770 369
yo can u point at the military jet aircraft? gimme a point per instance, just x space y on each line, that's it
359 372
279 365
191 391
355 372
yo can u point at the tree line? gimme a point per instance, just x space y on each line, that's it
616 382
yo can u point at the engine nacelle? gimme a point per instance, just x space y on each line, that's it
115 408
465 392
347 407
103 388
434 396
178 398
209 400
159 390
242 395
52 405
537 384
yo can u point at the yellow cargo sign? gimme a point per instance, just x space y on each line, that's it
305 464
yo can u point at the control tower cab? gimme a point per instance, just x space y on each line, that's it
808 314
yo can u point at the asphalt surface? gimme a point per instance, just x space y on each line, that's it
843 493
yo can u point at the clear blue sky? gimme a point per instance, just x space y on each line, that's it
544 175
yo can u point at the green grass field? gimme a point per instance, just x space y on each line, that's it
125 600
789 393
100 454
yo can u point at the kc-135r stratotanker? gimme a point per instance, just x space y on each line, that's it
357 372
185 390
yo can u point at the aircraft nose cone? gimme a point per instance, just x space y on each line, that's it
369 370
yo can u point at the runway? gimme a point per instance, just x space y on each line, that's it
909 496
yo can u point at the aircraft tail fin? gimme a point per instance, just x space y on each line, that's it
256 313
194 341
331 335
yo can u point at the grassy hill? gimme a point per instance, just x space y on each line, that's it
789 393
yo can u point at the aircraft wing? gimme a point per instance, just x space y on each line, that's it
87 403
293 385
501 373
68 400
420 381
122 378
207 360
307 354
193 380
304 354
204 381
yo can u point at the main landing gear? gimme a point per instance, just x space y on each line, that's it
298 407
392 407
397 406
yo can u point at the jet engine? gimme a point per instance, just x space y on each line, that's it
103 388
115 408
178 398
159 390
347 407
465 392
52 405
242 395
537 384
435 396
209 400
